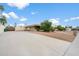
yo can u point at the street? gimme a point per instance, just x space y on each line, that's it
20 43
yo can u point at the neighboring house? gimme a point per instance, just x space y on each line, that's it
28 28
19 28
32 28
68 29
1 28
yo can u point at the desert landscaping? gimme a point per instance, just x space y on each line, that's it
67 36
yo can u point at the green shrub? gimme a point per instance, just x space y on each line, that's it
52 29
60 28
46 26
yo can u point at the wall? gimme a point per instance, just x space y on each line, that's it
1 28
20 28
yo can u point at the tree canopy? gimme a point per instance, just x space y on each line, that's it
1 8
3 20
46 26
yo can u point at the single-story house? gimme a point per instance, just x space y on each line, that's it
32 28
68 29
19 28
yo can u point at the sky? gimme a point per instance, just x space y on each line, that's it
66 14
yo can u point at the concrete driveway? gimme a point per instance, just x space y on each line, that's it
30 44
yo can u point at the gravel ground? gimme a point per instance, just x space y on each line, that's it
66 36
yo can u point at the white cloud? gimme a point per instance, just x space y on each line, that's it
34 13
63 25
71 19
6 15
21 24
10 14
54 21
66 20
74 18
23 19
11 24
19 5
13 15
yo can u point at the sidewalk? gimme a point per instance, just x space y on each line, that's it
74 47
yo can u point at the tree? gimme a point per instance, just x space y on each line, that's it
3 20
1 9
77 27
60 28
46 26
53 28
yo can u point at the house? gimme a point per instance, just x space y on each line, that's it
68 29
19 28
27 28
32 28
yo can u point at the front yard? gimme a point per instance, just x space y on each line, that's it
67 36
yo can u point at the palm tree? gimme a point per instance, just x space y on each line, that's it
2 17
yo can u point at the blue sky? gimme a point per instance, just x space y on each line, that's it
34 13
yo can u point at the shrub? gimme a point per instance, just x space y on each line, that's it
60 28
52 28
46 26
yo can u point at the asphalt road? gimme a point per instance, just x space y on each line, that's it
30 44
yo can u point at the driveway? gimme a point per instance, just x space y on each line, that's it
30 44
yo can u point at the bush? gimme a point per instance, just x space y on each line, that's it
52 28
46 26
60 28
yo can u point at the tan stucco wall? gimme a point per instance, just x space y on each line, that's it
19 28
1 28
